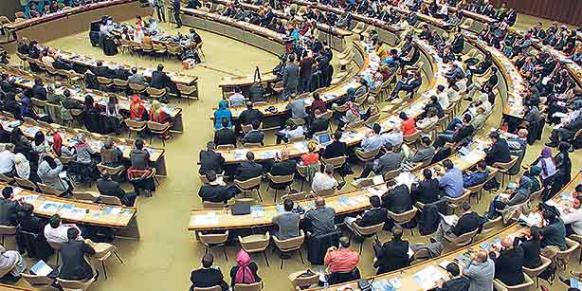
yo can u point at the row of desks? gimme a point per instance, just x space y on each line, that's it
424 275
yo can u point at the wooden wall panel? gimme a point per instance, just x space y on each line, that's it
567 11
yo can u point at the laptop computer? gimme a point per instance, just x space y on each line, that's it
323 138
240 209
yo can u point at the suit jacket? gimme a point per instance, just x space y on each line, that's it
531 252
397 200
508 266
291 75
225 136
334 149
499 152
373 216
283 168
61 65
426 191
112 188
456 284
388 162
103 71
160 80
467 222
122 74
204 278
392 256
8 212
210 160
249 115
254 136
247 170
39 92
137 79
463 133
31 223
214 193
319 124
74 266
423 154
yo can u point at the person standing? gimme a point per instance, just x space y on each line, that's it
176 6
159 4
290 77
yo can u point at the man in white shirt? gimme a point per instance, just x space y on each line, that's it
323 181
394 137
6 161
443 97
237 99
572 217
56 232
372 141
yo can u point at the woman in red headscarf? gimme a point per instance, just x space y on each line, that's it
137 110
245 271
58 148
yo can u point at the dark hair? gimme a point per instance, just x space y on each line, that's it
316 96
453 269
579 188
377 128
403 115
397 231
375 201
250 156
482 165
256 124
139 143
425 140
427 173
160 67
55 221
494 134
7 192
38 138
288 204
434 99
344 242
26 209
207 260
448 164
535 232
467 118
291 57
50 161
466 206
211 175
72 233
337 135
440 87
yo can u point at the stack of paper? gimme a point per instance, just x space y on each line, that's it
205 219
428 277
41 269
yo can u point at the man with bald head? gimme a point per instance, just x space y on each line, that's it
480 271
320 220
508 262
283 166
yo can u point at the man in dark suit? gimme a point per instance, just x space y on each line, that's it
372 216
122 73
27 221
427 190
8 207
469 221
210 160
456 283
335 149
225 135
499 150
408 84
249 115
290 77
208 276
284 166
176 7
392 255
216 190
255 135
74 266
108 187
397 200
103 71
457 136
318 124
38 90
508 263
60 64
248 169
160 79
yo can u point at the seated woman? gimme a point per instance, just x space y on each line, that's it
49 171
137 110
111 155
84 167
351 116
408 125
113 118
59 149
515 196
221 113
23 168
245 271
140 170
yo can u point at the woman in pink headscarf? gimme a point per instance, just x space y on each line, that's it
245 271
546 163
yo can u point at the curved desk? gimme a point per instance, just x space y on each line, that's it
423 276
76 20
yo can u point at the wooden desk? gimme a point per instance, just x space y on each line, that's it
574 69
6 287
77 211
157 156
25 79
344 203
417 277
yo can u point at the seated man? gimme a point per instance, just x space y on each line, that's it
469 221
324 180
335 149
255 135
210 160
283 165
514 196
248 169
319 123
341 261
566 130
291 131
237 99
458 135
387 162
395 137
372 141
216 190
250 114
208 275
427 190
9 207
398 199
56 231
480 271
479 176
409 84
499 150
108 187
451 182
572 216
287 222
225 135
457 282
392 255
372 216
73 263
424 152
508 262
137 78
319 221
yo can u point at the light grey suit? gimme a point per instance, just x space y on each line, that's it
480 275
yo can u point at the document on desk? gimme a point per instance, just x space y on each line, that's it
378 190
427 277
51 207
450 219
206 219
